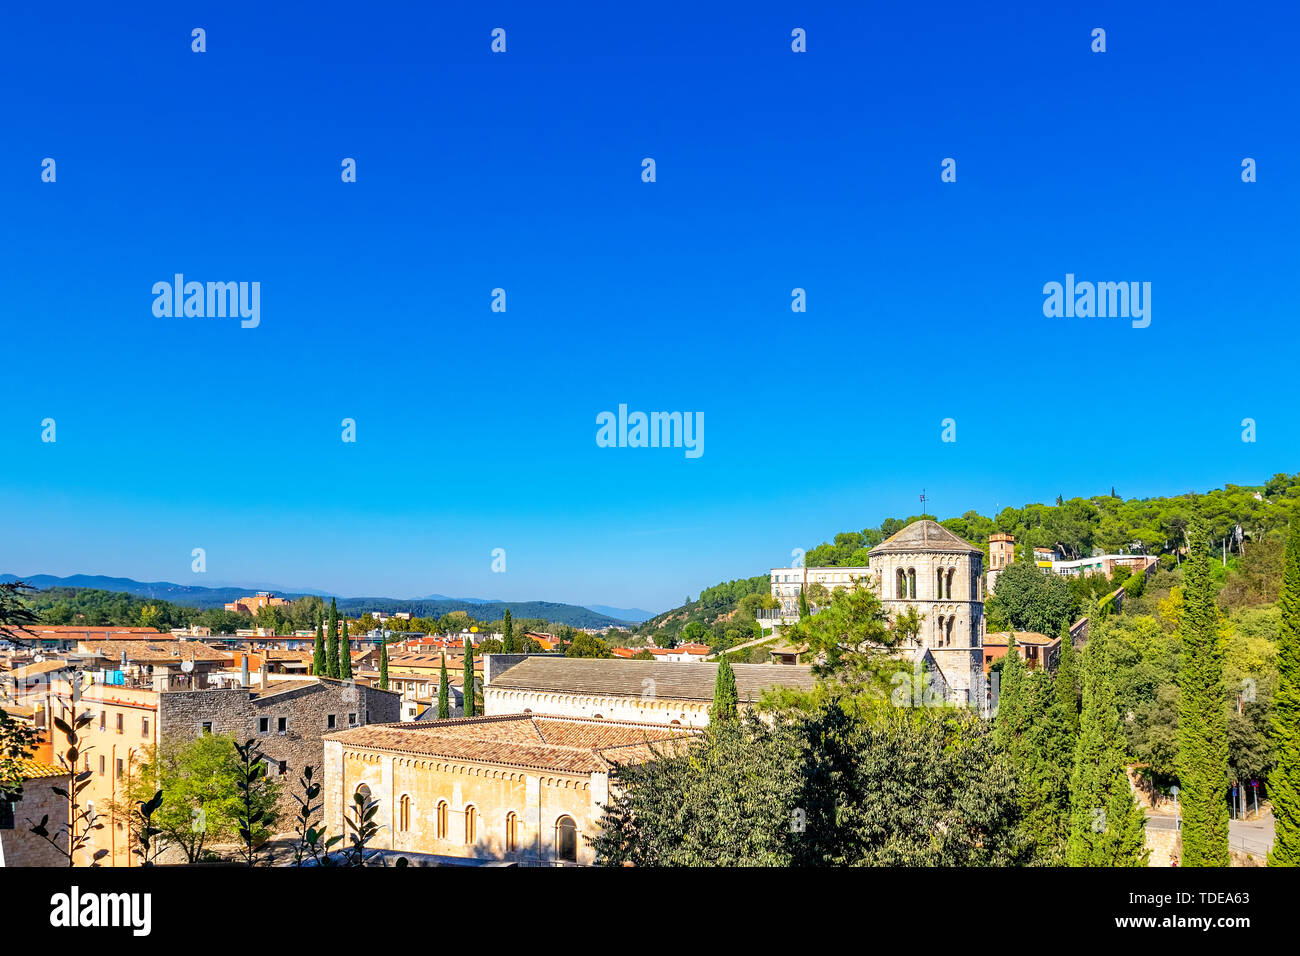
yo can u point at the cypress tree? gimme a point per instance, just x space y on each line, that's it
1202 760
318 654
1006 725
725 699
1107 827
444 702
332 642
1067 681
508 635
1284 781
345 654
803 604
468 687
383 664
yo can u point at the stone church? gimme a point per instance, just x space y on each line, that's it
927 567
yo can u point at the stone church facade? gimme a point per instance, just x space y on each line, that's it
927 567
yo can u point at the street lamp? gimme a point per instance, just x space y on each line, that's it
1178 822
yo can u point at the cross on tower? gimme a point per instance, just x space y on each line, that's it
923 502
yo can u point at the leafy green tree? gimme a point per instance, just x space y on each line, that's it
587 645
444 699
200 794
508 635
318 659
1107 826
725 700
345 654
1202 714
826 788
468 679
1030 599
1284 782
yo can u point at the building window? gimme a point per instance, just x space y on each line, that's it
284 767
911 582
329 721
101 765
6 815
282 724
512 832
119 723
207 727
566 839
144 726
404 814
120 768
103 718
951 572
352 720
471 825
900 584
263 724
442 819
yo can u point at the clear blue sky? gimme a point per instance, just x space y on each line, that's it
523 171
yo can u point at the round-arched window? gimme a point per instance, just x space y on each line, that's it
566 839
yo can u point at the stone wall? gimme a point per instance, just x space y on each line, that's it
305 712
20 846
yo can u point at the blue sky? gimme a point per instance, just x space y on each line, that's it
775 170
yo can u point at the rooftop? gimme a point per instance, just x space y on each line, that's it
674 681
924 535
566 744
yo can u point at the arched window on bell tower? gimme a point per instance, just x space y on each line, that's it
900 584
951 574
911 582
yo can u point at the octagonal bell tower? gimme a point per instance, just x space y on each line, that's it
927 567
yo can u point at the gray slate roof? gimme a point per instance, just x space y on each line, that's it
924 535
620 678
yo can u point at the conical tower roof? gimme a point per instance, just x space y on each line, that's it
925 535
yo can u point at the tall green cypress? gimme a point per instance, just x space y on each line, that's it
345 654
444 701
1284 781
803 604
318 653
332 642
383 663
726 702
1107 827
1202 761
508 635
1006 725
1067 681
468 687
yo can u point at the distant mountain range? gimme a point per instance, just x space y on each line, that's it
434 605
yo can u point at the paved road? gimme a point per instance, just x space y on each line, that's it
1251 836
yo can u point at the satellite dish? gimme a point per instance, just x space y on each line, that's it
38 658
187 666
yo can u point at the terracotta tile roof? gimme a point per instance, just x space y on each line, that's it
924 536
160 652
999 638
35 770
566 744
671 680
31 670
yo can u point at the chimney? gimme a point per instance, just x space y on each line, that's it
243 672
